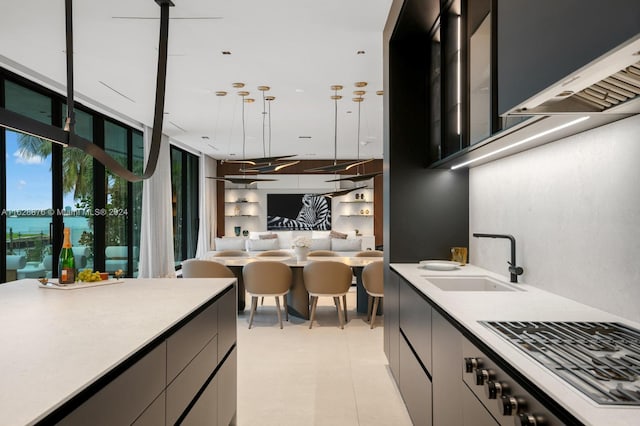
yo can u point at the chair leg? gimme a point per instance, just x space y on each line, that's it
262 301
278 311
284 305
344 306
340 317
336 301
369 304
314 302
375 310
254 306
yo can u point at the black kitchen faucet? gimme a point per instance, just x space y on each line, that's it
514 270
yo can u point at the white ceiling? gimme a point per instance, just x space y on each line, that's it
297 47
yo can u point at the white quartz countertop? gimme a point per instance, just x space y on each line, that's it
55 343
531 304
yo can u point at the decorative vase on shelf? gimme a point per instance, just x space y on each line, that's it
301 253
236 229
245 233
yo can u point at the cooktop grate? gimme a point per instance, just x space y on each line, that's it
600 359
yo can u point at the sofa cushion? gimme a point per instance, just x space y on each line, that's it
321 244
320 234
336 234
230 243
285 238
267 236
338 244
261 245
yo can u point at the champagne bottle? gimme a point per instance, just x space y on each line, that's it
67 262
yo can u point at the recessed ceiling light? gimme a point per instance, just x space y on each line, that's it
360 52
231 154
205 137
304 137
226 52
348 112
299 91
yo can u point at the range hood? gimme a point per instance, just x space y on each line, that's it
610 85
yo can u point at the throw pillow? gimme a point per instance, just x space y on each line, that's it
336 234
267 236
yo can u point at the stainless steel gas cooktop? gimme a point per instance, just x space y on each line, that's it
600 359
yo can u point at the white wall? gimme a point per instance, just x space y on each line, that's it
574 208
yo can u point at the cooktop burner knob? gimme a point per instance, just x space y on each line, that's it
482 375
494 389
470 364
528 419
509 405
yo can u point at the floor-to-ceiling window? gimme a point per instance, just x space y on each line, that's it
28 178
184 185
45 187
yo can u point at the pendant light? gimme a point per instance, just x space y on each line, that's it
267 164
341 192
336 167
241 180
358 177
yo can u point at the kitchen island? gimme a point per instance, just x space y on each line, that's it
144 351
430 334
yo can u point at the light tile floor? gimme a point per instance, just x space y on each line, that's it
322 376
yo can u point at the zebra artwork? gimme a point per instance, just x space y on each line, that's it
298 212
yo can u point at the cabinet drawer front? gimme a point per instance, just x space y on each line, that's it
473 412
228 389
154 414
131 392
227 323
185 343
415 322
187 384
415 386
205 410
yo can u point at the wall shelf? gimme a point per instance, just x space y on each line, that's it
241 202
357 202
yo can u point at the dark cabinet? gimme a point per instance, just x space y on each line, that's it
425 352
415 386
415 354
392 321
415 322
542 42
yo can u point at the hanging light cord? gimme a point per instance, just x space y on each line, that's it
243 132
264 112
335 130
358 140
269 128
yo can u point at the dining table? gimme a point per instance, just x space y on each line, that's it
298 297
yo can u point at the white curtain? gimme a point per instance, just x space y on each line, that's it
207 204
156 235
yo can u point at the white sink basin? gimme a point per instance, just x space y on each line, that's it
470 284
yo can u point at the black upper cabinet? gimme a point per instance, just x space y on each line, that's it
542 42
